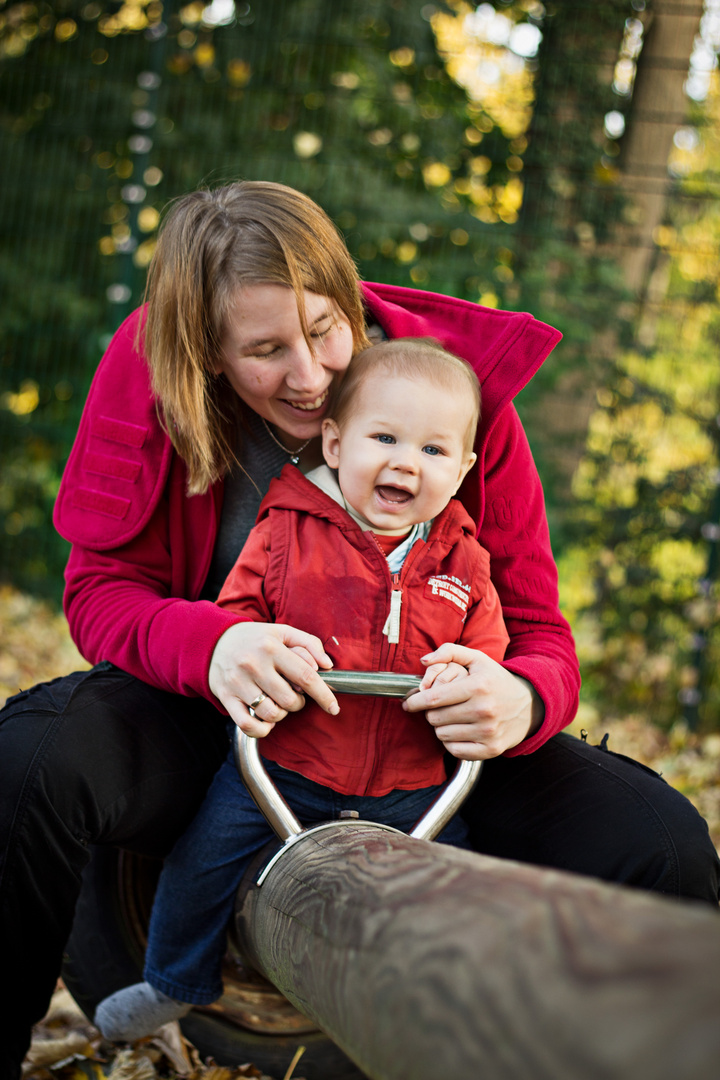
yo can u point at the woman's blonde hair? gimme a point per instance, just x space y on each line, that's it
211 243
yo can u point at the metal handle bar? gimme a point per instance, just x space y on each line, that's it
379 684
373 683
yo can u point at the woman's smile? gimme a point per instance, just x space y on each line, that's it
310 406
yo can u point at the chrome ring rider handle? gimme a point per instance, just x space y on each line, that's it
377 684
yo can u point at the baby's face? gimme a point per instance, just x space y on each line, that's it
400 454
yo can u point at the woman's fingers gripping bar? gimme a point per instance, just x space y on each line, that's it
251 659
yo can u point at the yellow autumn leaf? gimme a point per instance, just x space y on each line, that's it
132 1065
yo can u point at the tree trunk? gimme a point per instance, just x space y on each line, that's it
659 108
422 961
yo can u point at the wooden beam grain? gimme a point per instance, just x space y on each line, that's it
422 961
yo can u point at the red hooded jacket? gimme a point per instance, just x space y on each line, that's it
308 564
142 547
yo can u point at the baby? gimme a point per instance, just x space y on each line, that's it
371 553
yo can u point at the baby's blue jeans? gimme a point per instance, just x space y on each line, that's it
196 891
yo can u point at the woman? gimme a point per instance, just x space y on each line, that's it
254 309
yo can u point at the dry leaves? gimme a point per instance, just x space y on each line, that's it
34 643
66 1046
63 1040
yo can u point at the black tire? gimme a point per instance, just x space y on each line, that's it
105 953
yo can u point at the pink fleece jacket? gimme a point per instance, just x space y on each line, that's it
142 547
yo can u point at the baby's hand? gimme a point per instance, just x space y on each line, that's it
442 673
301 651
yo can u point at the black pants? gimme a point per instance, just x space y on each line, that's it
100 758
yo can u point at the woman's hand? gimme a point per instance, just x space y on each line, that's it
480 716
273 662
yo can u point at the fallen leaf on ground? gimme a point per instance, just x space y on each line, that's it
169 1040
132 1065
53 1051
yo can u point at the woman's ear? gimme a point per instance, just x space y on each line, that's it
331 443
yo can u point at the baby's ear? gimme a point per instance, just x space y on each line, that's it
331 443
465 469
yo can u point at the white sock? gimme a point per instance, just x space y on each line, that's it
135 1011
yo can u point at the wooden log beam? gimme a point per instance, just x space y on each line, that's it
421 961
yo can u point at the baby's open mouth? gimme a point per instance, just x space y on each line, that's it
393 494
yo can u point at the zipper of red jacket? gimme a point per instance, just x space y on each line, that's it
391 630
392 641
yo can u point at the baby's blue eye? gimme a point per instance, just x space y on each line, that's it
387 439
432 450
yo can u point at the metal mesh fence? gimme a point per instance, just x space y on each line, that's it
109 110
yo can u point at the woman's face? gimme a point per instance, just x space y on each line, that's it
268 362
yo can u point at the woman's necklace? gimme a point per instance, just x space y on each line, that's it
294 454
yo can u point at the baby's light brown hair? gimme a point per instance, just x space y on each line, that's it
409 358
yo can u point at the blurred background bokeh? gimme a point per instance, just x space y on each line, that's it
561 158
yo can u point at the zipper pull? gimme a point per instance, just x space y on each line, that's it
391 629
